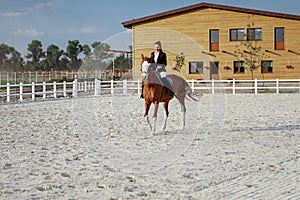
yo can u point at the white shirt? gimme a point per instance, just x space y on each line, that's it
156 56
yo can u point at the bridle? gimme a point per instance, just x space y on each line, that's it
145 69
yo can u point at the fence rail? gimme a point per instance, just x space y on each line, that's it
208 86
44 76
125 87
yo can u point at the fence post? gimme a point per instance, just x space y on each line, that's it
255 85
233 86
75 87
95 89
44 90
99 90
65 88
112 87
85 86
21 92
139 87
33 91
49 75
277 86
29 77
125 87
212 86
54 89
8 92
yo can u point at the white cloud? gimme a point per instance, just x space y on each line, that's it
41 6
26 11
83 30
28 32
13 14
87 30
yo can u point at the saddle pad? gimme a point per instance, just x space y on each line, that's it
159 78
170 80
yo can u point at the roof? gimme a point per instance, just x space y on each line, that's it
130 23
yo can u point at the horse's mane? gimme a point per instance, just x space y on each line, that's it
148 59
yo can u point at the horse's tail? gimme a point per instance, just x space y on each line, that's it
190 94
184 88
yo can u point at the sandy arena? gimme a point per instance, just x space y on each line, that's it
241 146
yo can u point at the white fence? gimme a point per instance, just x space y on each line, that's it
44 76
44 90
207 86
125 87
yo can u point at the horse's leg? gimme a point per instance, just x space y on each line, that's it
166 108
156 104
183 110
147 107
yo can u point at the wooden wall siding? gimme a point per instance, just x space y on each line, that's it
189 33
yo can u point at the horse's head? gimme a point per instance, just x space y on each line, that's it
146 67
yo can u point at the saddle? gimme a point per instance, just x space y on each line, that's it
166 82
162 80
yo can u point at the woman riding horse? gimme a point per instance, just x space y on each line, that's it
154 93
159 58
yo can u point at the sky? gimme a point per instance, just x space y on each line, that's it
57 21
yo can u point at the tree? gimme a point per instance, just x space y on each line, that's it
86 50
99 51
35 53
4 52
16 61
250 52
96 59
179 61
10 58
122 62
100 56
74 48
53 55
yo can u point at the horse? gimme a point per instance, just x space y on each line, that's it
154 93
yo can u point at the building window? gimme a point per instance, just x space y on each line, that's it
196 67
239 67
279 38
214 40
267 66
254 34
237 34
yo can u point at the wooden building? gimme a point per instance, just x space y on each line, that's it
209 36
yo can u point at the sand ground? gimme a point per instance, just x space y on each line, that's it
234 147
